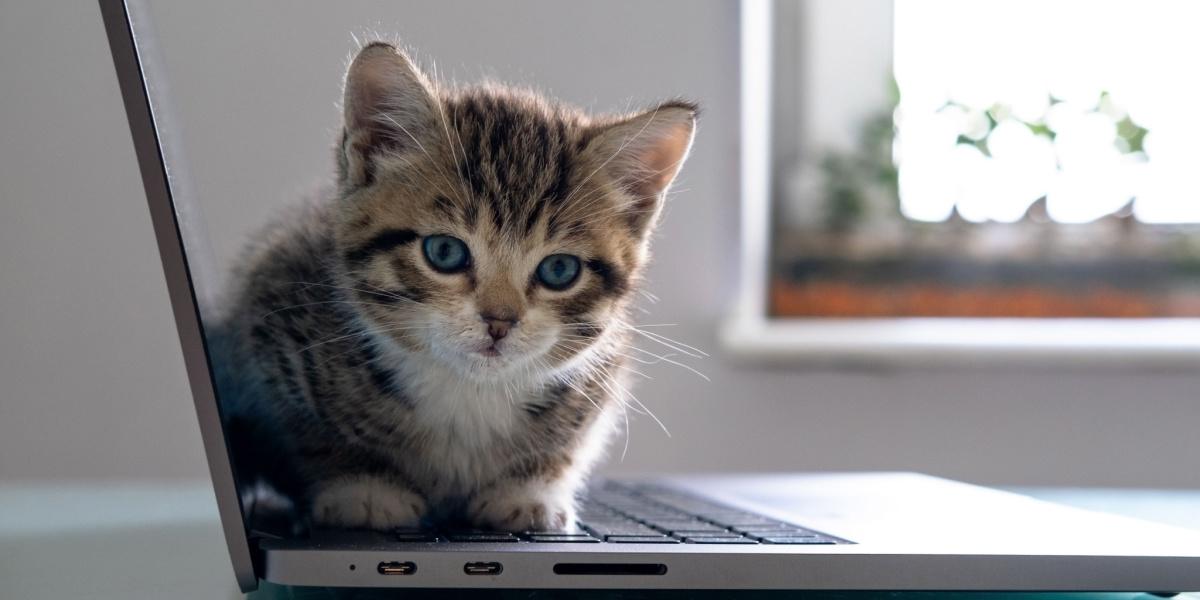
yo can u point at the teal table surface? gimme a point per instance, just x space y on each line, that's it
133 540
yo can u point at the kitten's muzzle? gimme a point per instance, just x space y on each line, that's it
498 327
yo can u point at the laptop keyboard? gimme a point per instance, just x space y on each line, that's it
624 514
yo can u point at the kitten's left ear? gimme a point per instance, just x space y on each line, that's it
643 154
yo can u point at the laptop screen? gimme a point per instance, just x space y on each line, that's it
251 117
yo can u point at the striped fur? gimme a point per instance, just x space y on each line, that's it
367 380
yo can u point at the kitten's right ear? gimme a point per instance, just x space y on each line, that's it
389 107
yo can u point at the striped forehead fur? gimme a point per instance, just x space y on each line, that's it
517 153
511 156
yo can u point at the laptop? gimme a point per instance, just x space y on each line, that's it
831 531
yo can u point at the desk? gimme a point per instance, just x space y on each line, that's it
138 540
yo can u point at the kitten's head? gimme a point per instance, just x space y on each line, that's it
488 228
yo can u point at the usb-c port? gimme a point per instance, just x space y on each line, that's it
397 568
483 568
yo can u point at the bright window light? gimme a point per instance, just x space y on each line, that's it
1089 105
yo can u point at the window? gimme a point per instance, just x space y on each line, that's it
972 160
1029 159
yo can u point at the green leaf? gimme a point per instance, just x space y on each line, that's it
980 144
1041 129
1132 134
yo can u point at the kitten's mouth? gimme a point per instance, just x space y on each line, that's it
490 351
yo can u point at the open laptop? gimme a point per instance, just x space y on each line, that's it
885 531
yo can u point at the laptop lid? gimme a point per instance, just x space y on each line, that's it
182 247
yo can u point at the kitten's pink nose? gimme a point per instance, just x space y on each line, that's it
498 325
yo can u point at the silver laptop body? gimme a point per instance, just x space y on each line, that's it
876 531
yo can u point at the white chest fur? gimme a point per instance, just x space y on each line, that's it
465 426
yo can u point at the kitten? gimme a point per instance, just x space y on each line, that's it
442 336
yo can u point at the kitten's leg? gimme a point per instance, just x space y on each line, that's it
365 501
534 504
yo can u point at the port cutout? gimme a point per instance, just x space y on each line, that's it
396 567
610 569
483 568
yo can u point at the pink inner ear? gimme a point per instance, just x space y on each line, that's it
365 97
663 159
376 72
657 161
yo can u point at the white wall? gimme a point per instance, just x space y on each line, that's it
845 65
92 381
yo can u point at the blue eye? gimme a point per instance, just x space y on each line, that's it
446 254
558 271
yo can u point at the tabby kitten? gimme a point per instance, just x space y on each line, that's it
442 336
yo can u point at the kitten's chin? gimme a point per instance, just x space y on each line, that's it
534 362
506 366
489 365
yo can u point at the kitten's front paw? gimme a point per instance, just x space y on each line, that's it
527 507
366 502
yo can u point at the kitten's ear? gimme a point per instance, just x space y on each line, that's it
389 107
643 154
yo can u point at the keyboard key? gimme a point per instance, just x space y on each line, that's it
564 539
797 540
591 517
482 537
719 518
689 527
718 534
760 533
415 537
623 529
754 522
768 527
611 523
677 522
718 540
641 539
661 516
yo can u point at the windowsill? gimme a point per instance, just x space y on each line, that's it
1138 343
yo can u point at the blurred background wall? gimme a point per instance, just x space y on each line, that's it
91 381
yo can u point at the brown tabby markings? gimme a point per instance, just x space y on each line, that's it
337 304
